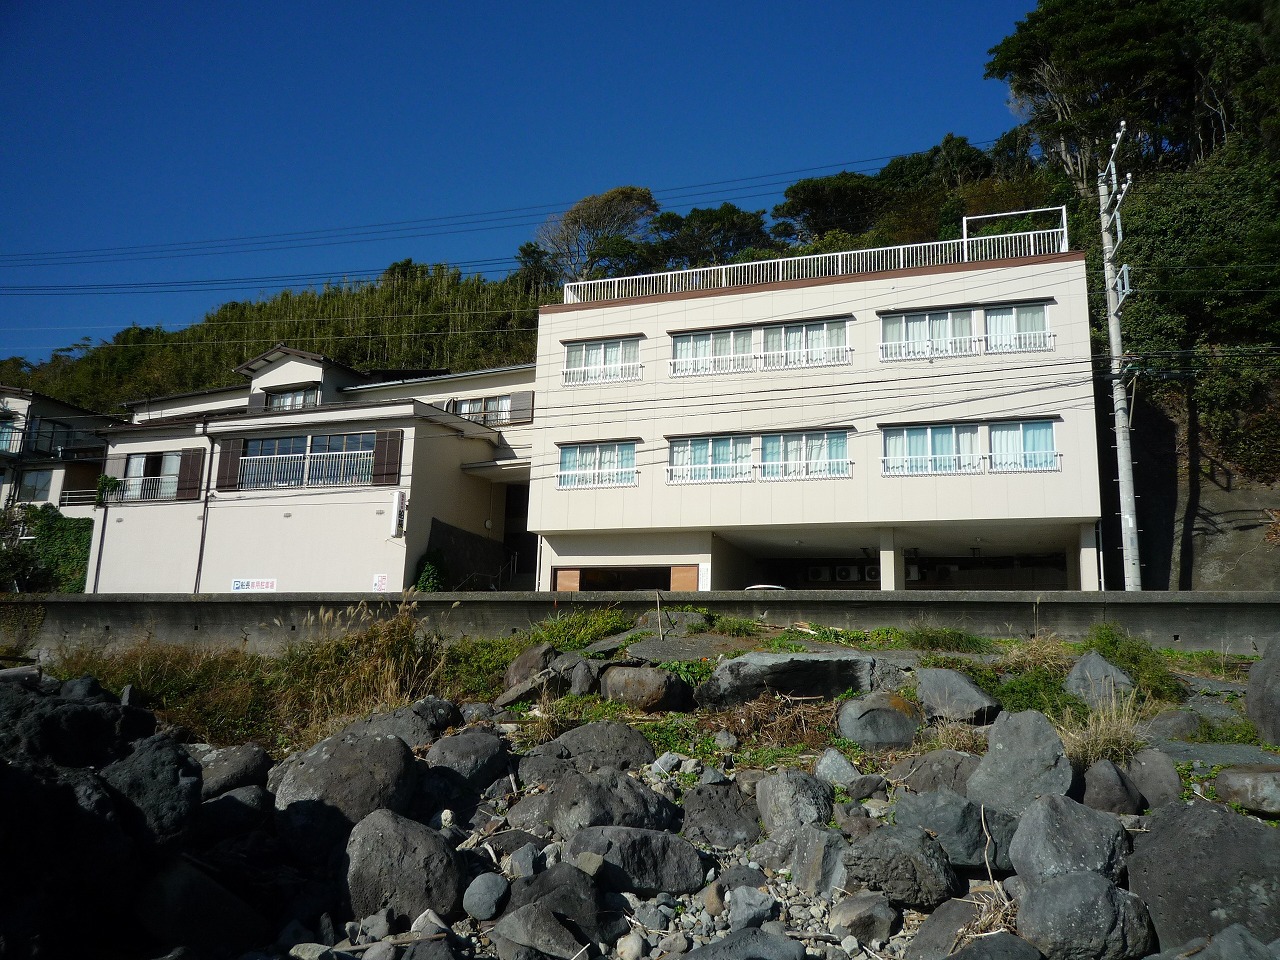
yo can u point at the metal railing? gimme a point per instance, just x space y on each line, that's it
710 366
282 470
353 469
77 498
1039 461
11 441
1027 342
709 473
926 349
1031 243
804 470
604 373
815 357
132 489
600 477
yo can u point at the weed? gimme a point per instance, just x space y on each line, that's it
761 758
1044 651
692 672
679 733
552 717
1133 655
1236 730
781 644
951 735
1107 733
736 626
1210 663
949 639
581 628
1193 778
1039 689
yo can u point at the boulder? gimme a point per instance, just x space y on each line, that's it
797 674
907 864
1263 696
1171 724
644 862
485 896
160 783
940 932
880 721
1155 775
1108 788
537 928
750 907
1232 879
750 944
950 695
401 865
529 662
1084 916
1001 945
181 904
585 677
606 798
817 860
1256 787
1097 682
1233 943
959 826
478 756
69 733
232 814
605 743
246 765
419 723
1024 760
935 769
572 896
835 768
327 790
1058 836
789 799
646 688
720 815
867 915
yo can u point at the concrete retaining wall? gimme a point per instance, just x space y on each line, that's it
1230 622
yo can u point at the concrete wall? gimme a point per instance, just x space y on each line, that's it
1243 623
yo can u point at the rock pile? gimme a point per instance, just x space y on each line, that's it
422 835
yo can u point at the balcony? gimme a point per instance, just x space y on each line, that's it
605 373
779 470
353 469
1031 243
77 498
1030 461
141 489
709 473
713 366
597 478
928 349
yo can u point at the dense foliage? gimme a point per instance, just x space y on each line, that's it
41 551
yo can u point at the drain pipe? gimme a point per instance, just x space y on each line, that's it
204 515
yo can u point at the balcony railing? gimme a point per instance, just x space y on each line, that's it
10 441
134 489
77 498
600 477
815 357
605 373
353 469
709 473
1039 461
1031 243
1029 342
927 349
804 470
711 366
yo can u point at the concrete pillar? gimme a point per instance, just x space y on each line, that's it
893 568
1087 577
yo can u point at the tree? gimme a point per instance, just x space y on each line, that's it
708 236
844 201
597 229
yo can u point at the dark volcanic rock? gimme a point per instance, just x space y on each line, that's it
602 798
950 695
646 688
246 765
935 769
570 894
644 862
69 733
720 815
419 723
798 674
400 865
790 799
161 783
1025 760
1083 916
1056 835
478 756
1263 697
959 826
880 721
907 864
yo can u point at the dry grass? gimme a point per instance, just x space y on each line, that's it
1044 651
952 735
996 912
1107 733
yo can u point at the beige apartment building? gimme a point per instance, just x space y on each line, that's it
914 417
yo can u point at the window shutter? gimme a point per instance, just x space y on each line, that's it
114 465
386 457
521 407
189 473
257 402
229 464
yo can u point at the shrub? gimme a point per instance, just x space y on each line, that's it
1134 656
1039 689
692 672
433 573
736 626
581 628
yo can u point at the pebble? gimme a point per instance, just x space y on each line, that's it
632 947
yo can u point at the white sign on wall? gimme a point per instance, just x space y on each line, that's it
253 586
379 583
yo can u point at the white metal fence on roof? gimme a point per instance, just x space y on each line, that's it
1030 243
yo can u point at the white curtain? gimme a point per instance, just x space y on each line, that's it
682 353
967 442
1000 329
773 346
838 453
939 333
1006 446
892 330
795 345
942 446
1031 319
1037 445
895 448
568 464
917 450
961 325
626 460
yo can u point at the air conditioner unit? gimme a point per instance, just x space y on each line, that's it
819 575
873 574
913 571
847 574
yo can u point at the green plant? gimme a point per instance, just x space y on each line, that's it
1148 669
1191 777
1039 689
692 672
581 628
107 486
1237 730
679 733
736 626
780 644
433 573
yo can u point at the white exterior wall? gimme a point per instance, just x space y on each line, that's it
187 406
863 396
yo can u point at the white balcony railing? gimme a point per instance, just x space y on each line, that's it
816 357
1045 461
601 477
10 441
711 366
77 498
260 473
354 469
927 349
1031 243
804 470
709 473
1029 342
133 489
605 373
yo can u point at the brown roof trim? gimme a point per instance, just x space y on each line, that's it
254 364
1068 257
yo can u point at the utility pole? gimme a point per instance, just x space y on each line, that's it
1111 193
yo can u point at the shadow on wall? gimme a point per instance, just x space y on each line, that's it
474 562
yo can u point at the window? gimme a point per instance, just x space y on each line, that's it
1024 446
10 437
598 465
806 345
34 486
944 448
294 399
712 352
797 456
941 333
709 460
486 410
602 361
273 462
1017 329
151 476
340 459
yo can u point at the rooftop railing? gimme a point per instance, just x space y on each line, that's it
1029 243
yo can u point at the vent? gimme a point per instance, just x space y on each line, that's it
819 575
873 574
847 574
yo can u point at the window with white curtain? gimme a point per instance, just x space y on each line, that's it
487 410
597 465
1017 329
602 361
1027 445
933 449
798 456
819 344
940 333
709 460
711 352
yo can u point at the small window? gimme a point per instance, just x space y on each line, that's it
1024 446
342 443
490 411
820 344
939 449
151 476
709 460
941 333
597 465
294 399
34 486
602 361
712 352
802 456
1020 329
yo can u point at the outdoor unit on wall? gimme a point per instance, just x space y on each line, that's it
819 575
913 571
847 574
873 574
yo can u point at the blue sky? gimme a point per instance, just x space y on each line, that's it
159 126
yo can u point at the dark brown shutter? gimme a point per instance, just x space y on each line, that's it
257 402
386 457
229 464
190 470
114 465
522 407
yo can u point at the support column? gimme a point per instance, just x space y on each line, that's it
893 567
1088 556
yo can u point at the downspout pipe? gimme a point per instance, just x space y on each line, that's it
204 514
